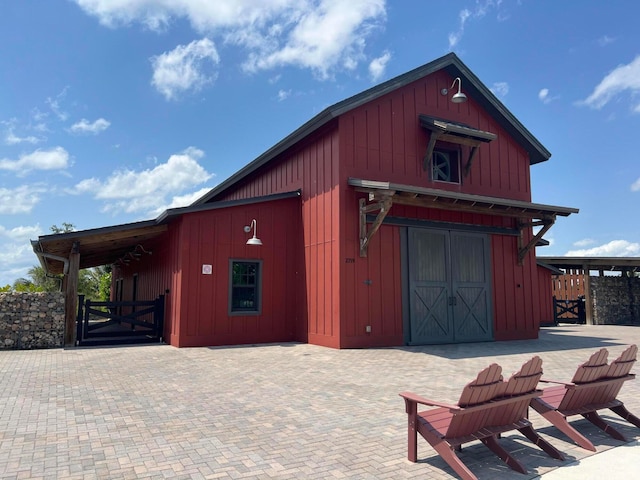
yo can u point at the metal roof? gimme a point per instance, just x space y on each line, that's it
594 263
451 64
434 198
103 246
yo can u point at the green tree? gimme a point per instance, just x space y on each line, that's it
93 283
66 228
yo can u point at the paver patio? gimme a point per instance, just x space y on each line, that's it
271 411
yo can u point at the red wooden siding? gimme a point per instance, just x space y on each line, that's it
545 279
313 168
197 304
516 295
383 140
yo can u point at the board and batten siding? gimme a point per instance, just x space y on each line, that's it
313 168
383 140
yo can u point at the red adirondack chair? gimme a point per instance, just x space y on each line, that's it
488 407
595 386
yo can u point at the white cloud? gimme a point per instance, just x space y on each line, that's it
321 35
181 201
283 95
635 186
13 139
615 248
55 104
16 254
545 97
148 190
56 158
378 66
606 40
183 68
500 89
622 78
84 126
480 10
584 242
19 200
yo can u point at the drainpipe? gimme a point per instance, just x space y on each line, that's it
42 255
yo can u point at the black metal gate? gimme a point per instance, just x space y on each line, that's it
569 311
113 323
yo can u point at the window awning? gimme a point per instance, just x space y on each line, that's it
453 132
382 195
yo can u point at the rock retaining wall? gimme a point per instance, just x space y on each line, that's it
616 300
31 320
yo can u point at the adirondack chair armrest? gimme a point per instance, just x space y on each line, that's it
410 397
557 382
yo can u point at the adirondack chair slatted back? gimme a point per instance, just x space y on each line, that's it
486 386
526 379
593 369
521 382
619 368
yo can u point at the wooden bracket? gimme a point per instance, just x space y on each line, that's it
472 155
546 223
384 205
426 161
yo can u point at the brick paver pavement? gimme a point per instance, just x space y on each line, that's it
272 411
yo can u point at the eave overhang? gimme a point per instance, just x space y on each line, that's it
613 264
448 131
106 245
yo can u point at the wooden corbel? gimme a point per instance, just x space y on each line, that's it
546 224
383 205
426 161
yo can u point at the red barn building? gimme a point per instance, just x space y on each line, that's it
401 215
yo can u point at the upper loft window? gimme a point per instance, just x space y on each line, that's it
444 150
445 165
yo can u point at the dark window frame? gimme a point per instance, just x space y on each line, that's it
256 287
453 169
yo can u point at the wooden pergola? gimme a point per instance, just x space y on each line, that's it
582 266
68 253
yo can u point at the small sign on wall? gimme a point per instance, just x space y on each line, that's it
207 269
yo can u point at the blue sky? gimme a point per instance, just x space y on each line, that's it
112 111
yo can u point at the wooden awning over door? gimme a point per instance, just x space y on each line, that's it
382 195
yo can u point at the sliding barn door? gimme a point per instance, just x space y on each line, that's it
449 287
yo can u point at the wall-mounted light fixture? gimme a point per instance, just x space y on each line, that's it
134 254
253 240
457 97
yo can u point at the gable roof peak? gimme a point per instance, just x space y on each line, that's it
450 63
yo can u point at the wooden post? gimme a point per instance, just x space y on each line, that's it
71 296
588 301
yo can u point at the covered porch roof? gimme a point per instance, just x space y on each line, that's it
611 264
382 195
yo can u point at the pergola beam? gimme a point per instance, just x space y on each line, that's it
70 284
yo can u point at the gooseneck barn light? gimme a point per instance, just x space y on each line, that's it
457 97
253 240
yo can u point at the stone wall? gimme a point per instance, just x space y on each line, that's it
616 300
31 320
